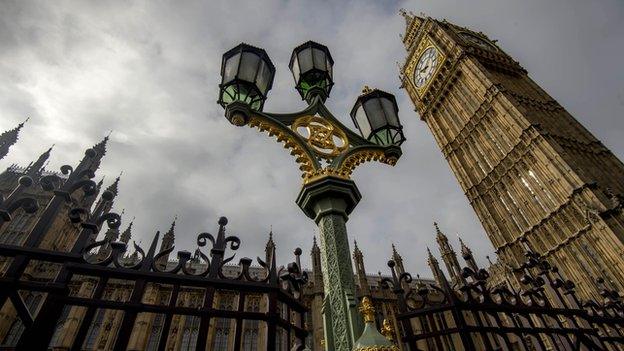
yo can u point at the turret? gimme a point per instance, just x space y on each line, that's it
398 260
269 249
35 168
8 138
448 256
360 271
167 242
127 233
467 256
100 149
114 189
435 268
317 273
412 25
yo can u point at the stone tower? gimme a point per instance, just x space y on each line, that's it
534 175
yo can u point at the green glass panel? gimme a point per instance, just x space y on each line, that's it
242 93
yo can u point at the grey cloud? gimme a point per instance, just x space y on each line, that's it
149 71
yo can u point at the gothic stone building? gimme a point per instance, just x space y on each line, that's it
148 327
535 177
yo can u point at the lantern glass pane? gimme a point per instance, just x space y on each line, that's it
319 59
391 116
231 67
330 69
362 121
248 67
384 137
264 77
295 69
375 113
305 60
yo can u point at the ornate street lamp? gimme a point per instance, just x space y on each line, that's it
376 115
327 152
311 65
247 76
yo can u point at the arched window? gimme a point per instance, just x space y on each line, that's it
250 334
154 337
94 330
189 333
59 327
15 331
222 327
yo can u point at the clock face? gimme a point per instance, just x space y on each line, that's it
426 66
473 39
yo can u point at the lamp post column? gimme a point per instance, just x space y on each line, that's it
326 151
329 201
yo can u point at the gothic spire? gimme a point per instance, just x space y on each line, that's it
100 150
398 260
127 233
34 169
100 147
170 234
315 247
467 255
448 256
439 234
356 249
435 268
317 274
167 242
8 138
114 187
465 250
430 257
269 249
360 270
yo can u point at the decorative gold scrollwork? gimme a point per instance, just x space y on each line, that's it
326 139
303 159
361 156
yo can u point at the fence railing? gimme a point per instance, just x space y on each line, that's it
99 296
544 315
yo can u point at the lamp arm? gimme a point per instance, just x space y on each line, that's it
304 155
351 158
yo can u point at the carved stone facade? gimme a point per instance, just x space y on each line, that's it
146 334
533 174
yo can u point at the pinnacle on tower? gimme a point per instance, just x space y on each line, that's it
465 250
439 234
114 187
100 150
127 233
356 249
170 234
448 256
396 256
314 245
8 138
269 249
34 169
167 242
100 147
430 257
270 243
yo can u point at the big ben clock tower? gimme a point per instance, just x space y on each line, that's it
533 174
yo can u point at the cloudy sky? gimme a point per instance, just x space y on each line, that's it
149 71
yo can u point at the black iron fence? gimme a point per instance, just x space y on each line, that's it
62 299
544 315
